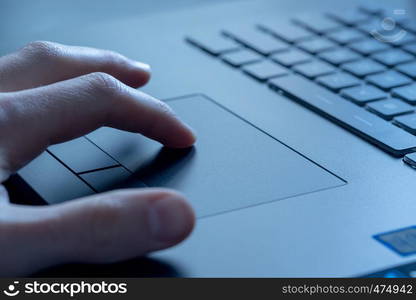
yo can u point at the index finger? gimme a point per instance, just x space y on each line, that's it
34 119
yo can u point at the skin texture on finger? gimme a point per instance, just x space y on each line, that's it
41 63
101 229
34 119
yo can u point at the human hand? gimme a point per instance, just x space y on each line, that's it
51 93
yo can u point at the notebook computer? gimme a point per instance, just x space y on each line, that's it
305 119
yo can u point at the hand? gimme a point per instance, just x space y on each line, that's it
50 93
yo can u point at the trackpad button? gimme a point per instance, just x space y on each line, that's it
232 165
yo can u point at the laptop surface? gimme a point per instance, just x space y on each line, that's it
303 113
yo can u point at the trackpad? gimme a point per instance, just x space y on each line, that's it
232 165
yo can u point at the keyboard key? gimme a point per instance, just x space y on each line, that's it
350 17
80 155
291 57
408 122
396 36
408 38
409 69
241 57
110 179
338 81
392 57
287 31
410 48
407 93
410 159
339 56
371 8
368 46
314 69
394 274
363 94
410 26
388 80
399 17
389 108
316 45
264 70
367 125
257 40
215 44
346 36
373 25
363 67
317 22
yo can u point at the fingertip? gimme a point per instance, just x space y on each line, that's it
191 135
142 66
114 226
186 138
142 73
171 219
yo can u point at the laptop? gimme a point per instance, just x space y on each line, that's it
305 116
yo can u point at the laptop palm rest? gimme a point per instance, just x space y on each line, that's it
231 166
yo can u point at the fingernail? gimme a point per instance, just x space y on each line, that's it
142 66
170 219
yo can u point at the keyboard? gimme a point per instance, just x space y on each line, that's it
355 68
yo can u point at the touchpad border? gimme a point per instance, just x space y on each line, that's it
233 164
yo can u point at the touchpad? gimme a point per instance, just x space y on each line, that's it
232 165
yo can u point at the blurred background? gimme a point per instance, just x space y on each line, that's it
24 19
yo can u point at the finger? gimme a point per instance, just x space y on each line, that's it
100 229
42 63
34 119
4 196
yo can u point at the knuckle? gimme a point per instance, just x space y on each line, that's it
113 58
162 112
167 110
103 227
42 50
104 83
7 109
164 108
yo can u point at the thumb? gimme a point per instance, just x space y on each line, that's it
104 228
